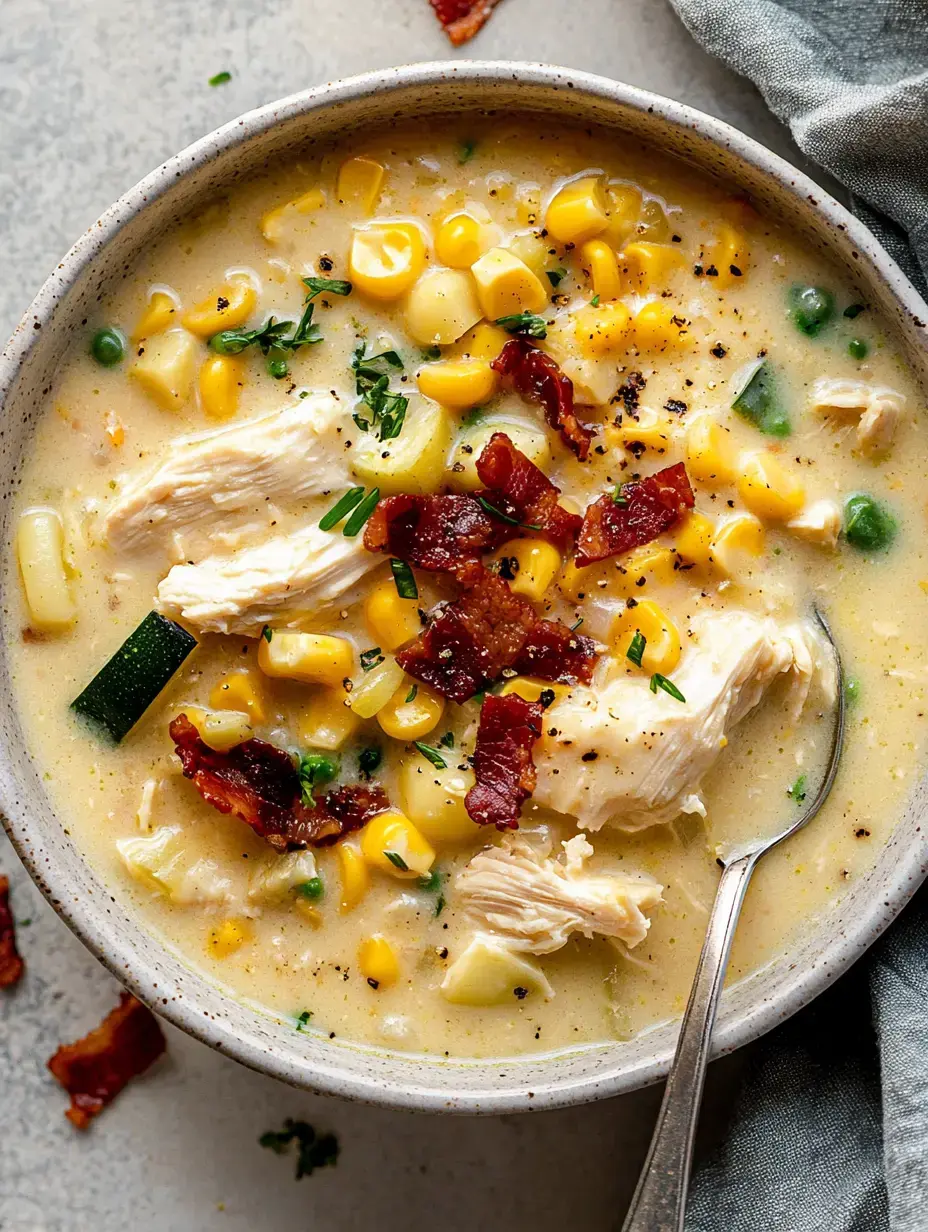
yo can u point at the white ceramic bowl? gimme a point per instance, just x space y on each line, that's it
99 260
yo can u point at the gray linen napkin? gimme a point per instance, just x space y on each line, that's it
831 1130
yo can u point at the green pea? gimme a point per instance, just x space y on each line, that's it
812 308
278 368
312 889
868 525
316 768
857 348
108 346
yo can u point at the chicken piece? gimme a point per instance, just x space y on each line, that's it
877 408
626 757
531 903
212 484
275 878
818 523
278 582
161 862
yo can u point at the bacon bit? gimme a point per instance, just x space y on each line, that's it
648 508
524 492
433 532
503 766
11 963
93 1070
553 652
462 19
258 782
538 379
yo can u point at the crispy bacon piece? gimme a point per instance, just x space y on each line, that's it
433 532
524 492
553 652
503 766
258 782
11 964
462 19
538 379
648 508
93 1070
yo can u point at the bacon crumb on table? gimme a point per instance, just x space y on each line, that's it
503 765
11 963
461 19
93 1070
646 509
538 379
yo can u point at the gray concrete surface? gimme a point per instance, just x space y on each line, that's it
93 94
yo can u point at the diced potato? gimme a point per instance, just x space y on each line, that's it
312 658
160 312
40 555
769 489
506 285
458 383
650 267
535 563
736 542
530 440
595 380
711 457
433 799
375 688
377 961
274 224
603 265
442 306
578 211
354 873
239 691
662 638
359 181
225 938
658 325
161 862
693 538
392 620
228 307
411 720
392 834
166 368
272 880
327 721
386 258
461 240
601 330
488 973
221 378
533 251
221 729
412 462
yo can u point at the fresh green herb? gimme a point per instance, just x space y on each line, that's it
504 517
868 525
397 861
431 353
857 348
854 310
526 324
411 695
277 366
302 1020
431 882
368 371
636 648
618 497
466 151
369 760
473 417
576 625
273 337
313 1150
318 286
272 334
797 791
757 402
361 514
594 302
372 384
431 755
267 633
314 770
404 579
108 346
371 658
852 690
341 508
312 889
220 79
556 276
661 682
439 905
447 740
811 309
24 923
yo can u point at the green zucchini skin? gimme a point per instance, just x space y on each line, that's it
126 686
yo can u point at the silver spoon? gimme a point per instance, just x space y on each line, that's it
659 1204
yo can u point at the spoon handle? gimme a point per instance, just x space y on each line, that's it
659 1204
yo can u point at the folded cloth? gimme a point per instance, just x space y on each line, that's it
830 1133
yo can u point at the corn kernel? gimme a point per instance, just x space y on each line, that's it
228 307
600 331
649 267
40 553
460 241
728 253
484 341
657 326
225 938
711 457
160 312
651 429
392 832
442 306
377 961
578 211
312 915
386 258
411 720
274 221
312 658
360 180
735 542
458 383
694 538
433 799
375 689
353 873
239 691
327 721
165 368
770 490
537 563
392 620
221 729
506 285
623 202
662 640
653 562
531 688
601 261
220 381
528 204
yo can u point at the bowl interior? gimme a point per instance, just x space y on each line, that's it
102 257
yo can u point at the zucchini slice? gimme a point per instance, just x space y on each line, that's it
126 686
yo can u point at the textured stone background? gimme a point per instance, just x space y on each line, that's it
94 94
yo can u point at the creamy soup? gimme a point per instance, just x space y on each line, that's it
349 597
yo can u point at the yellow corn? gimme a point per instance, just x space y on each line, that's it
442 306
392 832
225 938
377 961
166 367
386 258
694 538
578 211
728 254
160 312
433 799
484 341
273 222
601 261
360 180
770 490
650 267
312 915
312 658
537 563
392 620
327 721
220 381
651 429
40 548
528 203
653 562
662 640
735 542
375 689
221 729
353 873
238 691
600 331
624 206
228 307
531 688
458 383
534 252
657 326
411 720
711 457
506 285
459 241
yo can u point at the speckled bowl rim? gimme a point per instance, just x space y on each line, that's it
418 1083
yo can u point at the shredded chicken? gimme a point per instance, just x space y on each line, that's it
818 523
532 903
213 484
877 408
630 758
278 582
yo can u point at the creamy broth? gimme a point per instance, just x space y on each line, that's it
102 426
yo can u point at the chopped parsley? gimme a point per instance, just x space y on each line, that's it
852 690
369 760
431 755
594 302
397 861
576 625
267 633
797 791
220 79
661 682
636 648
302 1020
361 513
556 276
504 517
472 417
318 286
341 509
313 1150
430 882
854 310
431 353
618 496
371 658
526 324
372 384
411 695
405 581
447 740
466 151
